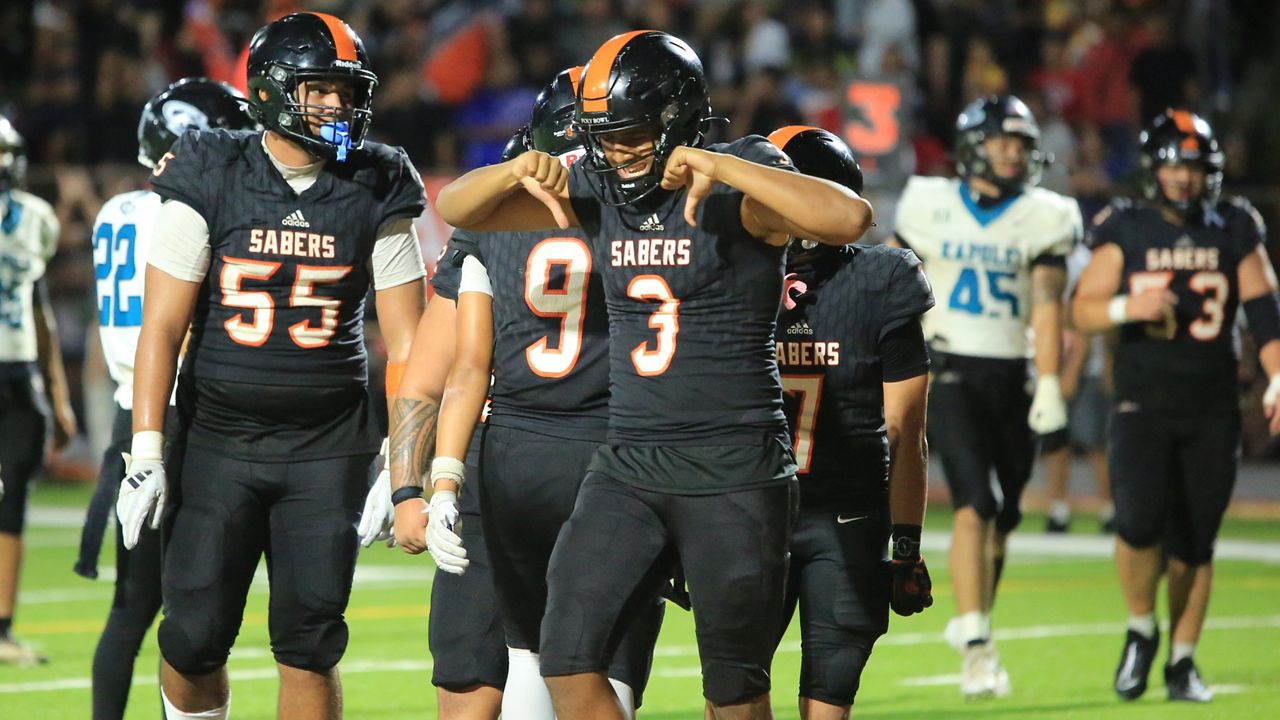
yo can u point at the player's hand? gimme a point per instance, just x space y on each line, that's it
912 588
378 517
444 544
1271 404
1151 305
411 526
142 493
545 178
64 426
1048 409
691 168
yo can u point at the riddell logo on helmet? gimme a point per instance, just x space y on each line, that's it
348 64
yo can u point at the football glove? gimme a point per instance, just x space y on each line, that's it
443 543
912 590
1048 410
1272 394
377 520
142 492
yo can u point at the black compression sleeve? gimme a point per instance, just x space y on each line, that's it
903 353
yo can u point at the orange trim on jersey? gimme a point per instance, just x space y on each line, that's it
395 373
342 41
1186 124
595 81
783 135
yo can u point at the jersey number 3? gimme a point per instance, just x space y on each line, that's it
261 306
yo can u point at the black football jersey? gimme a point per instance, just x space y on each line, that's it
283 301
1189 362
828 353
691 313
551 333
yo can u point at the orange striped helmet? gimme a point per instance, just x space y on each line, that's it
1179 137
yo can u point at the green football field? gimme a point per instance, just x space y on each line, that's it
1059 629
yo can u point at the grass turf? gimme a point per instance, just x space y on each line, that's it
1059 629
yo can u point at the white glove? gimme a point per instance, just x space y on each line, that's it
443 543
378 519
142 491
1048 409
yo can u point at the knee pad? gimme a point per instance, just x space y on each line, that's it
728 682
308 641
1008 518
832 673
192 647
1138 532
13 506
1189 549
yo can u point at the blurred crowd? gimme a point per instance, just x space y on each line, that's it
458 76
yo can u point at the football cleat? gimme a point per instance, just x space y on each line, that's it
1182 682
981 673
1054 526
16 652
1135 664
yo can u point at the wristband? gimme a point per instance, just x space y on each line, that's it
906 542
147 445
1117 311
447 468
405 493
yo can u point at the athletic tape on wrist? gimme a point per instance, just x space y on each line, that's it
447 468
147 445
1117 309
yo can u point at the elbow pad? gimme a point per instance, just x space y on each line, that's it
1263 314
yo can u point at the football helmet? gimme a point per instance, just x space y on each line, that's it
1177 137
640 79
819 153
13 157
310 46
989 117
196 102
551 127
517 144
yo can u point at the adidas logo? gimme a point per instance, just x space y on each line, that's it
651 224
800 328
295 219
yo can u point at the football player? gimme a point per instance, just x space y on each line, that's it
267 244
465 634
121 242
31 375
531 306
1170 272
855 370
690 246
995 247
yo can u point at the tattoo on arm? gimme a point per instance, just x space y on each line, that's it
413 440
1047 286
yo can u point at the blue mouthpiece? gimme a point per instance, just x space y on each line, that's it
336 134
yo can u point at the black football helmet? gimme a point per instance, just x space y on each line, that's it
13 157
1177 137
196 102
310 46
819 153
517 144
989 117
551 127
642 78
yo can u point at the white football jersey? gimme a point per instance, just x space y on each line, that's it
121 241
28 239
979 260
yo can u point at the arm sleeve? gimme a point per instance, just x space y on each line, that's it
397 255
903 353
475 278
180 246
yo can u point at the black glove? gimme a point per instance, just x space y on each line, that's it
912 589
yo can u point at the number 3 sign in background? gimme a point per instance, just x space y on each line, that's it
875 127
